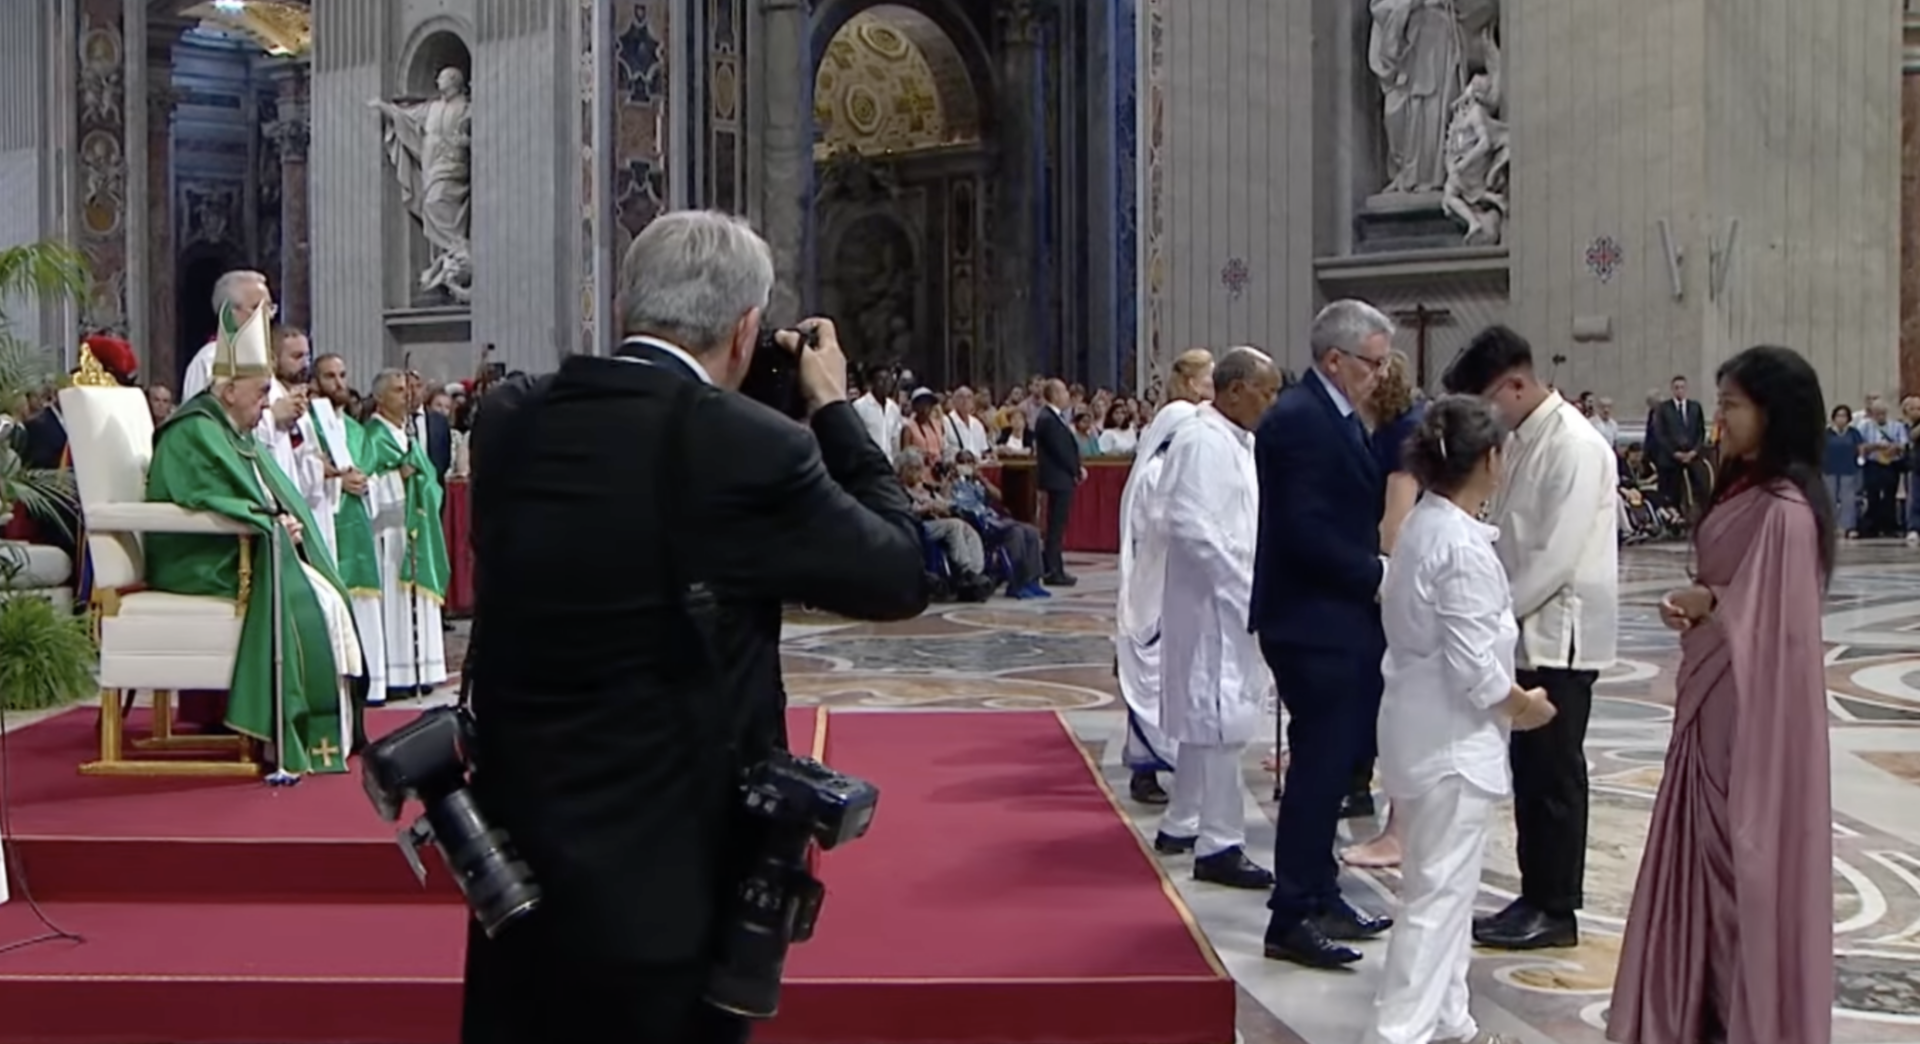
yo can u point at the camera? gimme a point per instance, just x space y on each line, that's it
430 761
773 378
787 803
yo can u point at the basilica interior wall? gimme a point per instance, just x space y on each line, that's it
1804 151
1230 195
26 193
349 184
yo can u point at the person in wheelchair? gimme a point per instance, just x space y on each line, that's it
1645 514
949 538
979 502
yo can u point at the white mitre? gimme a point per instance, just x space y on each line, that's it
242 350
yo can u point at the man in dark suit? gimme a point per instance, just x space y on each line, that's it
1058 472
1679 434
1315 604
610 500
439 432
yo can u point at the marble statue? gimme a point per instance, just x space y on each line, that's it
1415 51
430 143
1477 156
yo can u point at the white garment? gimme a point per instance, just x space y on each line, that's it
1213 677
1143 578
883 422
1449 665
323 442
1206 803
199 375
1609 429
1559 538
965 433
1118 442
347 658
415 647
1423 990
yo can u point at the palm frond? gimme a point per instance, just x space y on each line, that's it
48 495
24 369
50 654
47 270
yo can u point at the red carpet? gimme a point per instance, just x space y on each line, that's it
999 898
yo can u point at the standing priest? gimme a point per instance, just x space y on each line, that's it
205 458
404 499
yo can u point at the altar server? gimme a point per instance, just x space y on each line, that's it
1214 681
1449 700
404 498
352 520
1143 574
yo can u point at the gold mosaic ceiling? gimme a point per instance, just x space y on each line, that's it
877 92
280 27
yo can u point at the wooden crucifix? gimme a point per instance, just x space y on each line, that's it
1421 319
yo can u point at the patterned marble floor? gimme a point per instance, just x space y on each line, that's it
1056 654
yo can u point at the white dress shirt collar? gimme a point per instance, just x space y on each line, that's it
685 357
1536 422
1340 400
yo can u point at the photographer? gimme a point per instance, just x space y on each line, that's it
613 728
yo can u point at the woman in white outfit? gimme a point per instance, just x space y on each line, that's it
1449 703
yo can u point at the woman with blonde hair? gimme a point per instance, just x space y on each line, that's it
1143 562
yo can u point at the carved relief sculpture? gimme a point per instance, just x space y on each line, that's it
430 144
1477 156
1415 52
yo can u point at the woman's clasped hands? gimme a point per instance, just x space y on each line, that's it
1685 609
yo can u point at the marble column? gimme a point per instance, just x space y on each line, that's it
159 289
291 133
787 154
1019 348
1910 205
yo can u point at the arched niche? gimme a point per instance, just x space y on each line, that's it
942 31
435 46
872 259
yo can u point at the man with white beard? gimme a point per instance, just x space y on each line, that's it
1143 575
1214 680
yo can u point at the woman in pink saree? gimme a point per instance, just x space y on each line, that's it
1730 938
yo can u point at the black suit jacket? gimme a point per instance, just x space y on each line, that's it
1677 432
1317 568
590 689
1056 453
439 444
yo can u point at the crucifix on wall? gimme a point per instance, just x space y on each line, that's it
1421 320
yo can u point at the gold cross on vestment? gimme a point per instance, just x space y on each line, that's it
325 751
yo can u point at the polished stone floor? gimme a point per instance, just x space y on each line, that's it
1056 654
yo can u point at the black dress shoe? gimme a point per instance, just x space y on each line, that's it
1507 913
1232 868
1530 929
1146 788
1306 945
1168 844
1343 923
1357 806
1063 580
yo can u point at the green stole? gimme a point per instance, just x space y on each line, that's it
425 567
353 524
201 463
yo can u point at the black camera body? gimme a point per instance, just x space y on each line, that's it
773 378
787 803
430 760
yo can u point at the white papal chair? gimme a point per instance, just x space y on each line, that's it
149 640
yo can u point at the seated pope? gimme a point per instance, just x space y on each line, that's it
205 458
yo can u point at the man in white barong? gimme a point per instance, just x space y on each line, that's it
1214 681
1147 751
415 643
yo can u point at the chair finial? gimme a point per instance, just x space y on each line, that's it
90 373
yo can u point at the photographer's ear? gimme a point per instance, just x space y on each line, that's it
746 334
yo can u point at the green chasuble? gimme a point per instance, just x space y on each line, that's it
202 464
353 524
425 568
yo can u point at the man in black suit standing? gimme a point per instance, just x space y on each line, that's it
1058 472
637 527
439 432
1315 604
1679 434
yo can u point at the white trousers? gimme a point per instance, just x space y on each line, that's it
1206 802
1423 992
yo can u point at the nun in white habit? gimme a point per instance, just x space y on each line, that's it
1214 681
1143 573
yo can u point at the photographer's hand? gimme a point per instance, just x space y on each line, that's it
823 368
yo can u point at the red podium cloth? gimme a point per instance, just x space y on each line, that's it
458 516
1094 524
20 526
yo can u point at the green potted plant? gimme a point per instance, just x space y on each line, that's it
47 653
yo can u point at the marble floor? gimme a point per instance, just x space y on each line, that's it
1056 654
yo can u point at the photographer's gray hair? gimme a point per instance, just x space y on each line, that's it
690 275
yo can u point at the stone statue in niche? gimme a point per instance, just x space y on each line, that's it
1477 156
1415 51
430 143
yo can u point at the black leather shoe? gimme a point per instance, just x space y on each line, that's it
1304 944
1530 930
1167 844
1357 806
1146 789
1343 923
1232 868
1063 580
1507 913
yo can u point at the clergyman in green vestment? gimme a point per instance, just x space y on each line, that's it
205 459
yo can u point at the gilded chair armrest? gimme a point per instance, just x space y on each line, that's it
160 518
